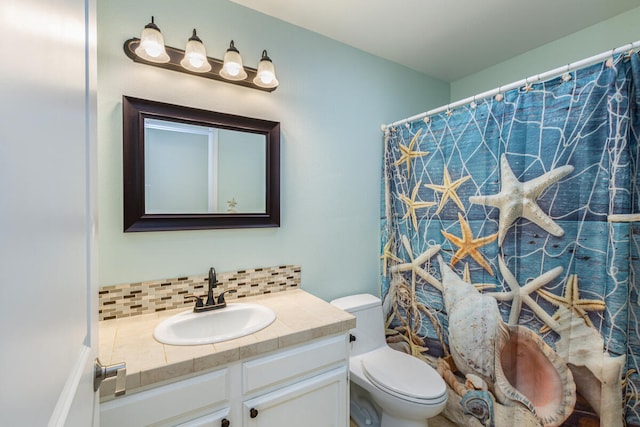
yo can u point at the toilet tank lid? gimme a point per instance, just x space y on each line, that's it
356 302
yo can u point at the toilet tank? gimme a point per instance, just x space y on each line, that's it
369 330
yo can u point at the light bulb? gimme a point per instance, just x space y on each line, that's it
266 77
196 61
233 68
153 49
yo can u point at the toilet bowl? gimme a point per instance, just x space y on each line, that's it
403 390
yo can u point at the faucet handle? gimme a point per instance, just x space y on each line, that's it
196 298
221 296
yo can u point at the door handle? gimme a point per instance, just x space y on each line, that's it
102 372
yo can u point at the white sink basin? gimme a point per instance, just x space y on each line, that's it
233 321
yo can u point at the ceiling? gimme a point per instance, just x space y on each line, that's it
446 39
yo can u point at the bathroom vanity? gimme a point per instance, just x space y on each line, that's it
294 372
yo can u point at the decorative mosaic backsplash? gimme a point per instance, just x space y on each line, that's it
132 299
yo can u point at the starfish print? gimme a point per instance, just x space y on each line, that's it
415 265
232 205
448 189
412 205
519 295
408 153
466 276
518 199
388 255
572 301
468 245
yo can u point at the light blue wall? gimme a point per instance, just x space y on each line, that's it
331 102
598 38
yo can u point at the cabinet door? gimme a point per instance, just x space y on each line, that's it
320 401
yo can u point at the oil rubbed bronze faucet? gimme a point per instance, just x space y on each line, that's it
213 282
211 303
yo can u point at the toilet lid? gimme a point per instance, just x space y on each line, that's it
403 375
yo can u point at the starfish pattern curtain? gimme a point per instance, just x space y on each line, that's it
532 197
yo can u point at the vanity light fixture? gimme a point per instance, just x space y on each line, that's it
232 68
266 75
149 49
195 55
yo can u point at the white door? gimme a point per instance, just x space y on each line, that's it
48 289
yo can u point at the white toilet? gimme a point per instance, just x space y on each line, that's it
388 388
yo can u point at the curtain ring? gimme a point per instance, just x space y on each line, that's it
448 112
499 97
473 103
567 75
609 62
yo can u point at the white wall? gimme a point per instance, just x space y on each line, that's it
331 102
602 37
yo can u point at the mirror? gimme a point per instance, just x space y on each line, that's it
187 169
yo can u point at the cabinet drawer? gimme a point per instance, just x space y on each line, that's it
178 401
294 363
209 420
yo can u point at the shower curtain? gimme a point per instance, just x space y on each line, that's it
510 244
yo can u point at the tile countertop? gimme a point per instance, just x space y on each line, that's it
300 317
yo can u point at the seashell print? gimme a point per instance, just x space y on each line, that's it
598 376
518 366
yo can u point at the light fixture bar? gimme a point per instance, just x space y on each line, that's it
176 55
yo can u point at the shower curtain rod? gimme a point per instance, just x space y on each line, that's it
533 79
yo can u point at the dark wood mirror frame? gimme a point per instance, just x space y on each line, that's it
134 111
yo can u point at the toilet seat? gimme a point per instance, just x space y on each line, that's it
410 379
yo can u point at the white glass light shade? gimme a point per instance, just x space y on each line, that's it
195 56
266 74
232 68
151 46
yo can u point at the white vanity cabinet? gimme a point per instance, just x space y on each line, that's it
305 385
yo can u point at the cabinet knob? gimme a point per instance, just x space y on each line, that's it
253 412
225 423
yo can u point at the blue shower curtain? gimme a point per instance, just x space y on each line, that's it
530 196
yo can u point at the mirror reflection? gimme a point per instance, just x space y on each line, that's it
202 169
